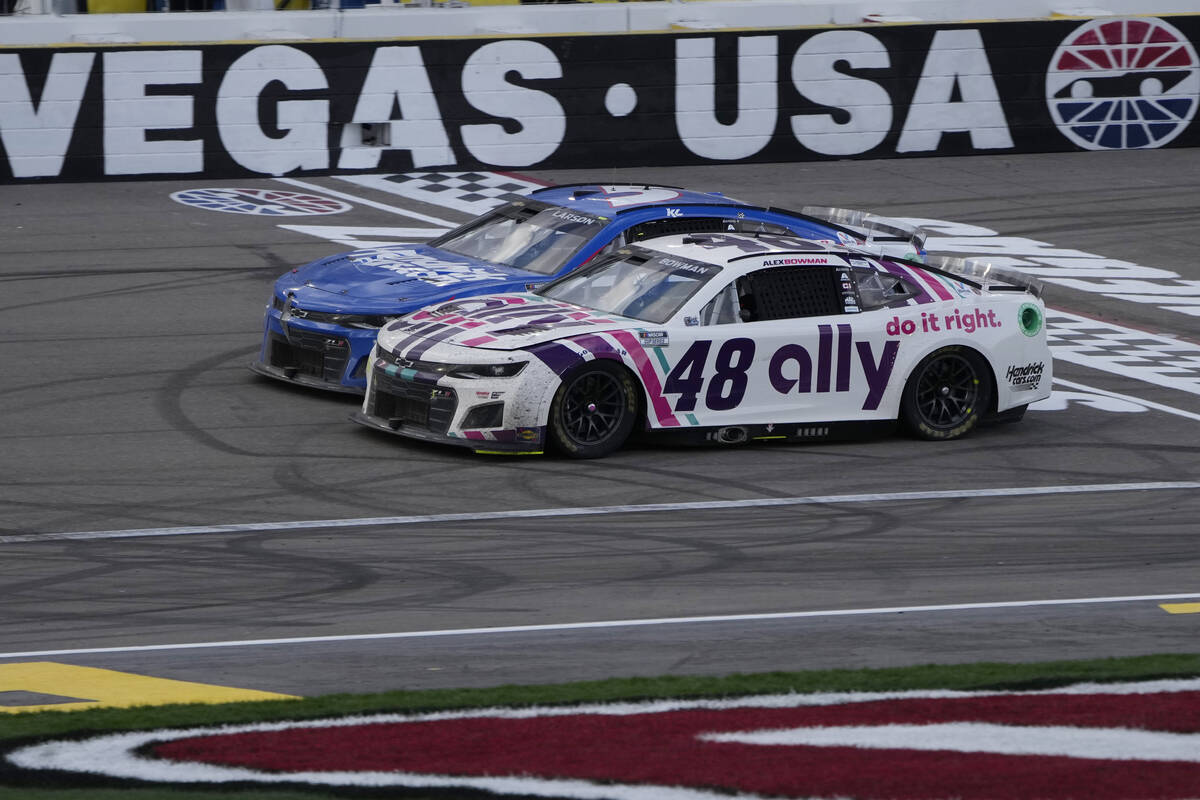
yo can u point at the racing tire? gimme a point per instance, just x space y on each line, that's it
594 410
947 394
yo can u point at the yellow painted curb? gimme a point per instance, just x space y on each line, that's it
90 687
1180 608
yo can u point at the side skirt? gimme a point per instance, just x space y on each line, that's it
786 432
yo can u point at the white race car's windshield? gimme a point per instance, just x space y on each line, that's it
525 235
643 285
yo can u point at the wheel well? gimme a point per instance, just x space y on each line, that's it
641 420
639 396
991 373
605 431
991 409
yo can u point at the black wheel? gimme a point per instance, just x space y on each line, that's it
947 394
593 411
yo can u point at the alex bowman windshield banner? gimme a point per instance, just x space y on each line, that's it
590 101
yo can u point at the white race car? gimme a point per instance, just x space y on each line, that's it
724 338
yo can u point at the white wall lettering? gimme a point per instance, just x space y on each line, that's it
305 122
815 75
129 112
541 117
695 98
36 138
955 58
397 77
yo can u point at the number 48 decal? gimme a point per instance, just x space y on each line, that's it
728 384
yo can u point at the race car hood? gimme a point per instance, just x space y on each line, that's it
499 322
404 275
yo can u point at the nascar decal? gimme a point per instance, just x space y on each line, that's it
1123 84
1105 741
645 367
434 271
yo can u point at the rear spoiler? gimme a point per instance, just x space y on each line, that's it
987 275
886 230
876 230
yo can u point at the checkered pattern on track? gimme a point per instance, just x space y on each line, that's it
469 192
1143 356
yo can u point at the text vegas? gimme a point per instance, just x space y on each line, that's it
274 109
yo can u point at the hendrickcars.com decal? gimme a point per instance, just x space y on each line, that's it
1105 741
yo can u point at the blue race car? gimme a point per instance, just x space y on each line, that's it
323 317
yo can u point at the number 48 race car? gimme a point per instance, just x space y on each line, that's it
722 338
322 318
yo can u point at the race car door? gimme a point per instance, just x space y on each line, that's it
783 344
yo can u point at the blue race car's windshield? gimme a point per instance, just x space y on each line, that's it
643 285
525 235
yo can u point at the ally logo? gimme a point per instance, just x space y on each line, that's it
1123 84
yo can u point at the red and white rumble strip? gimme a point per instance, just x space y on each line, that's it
1105 741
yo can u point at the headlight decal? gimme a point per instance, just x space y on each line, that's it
431 372
507 369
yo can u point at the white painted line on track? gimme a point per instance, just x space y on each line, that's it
313 187
1179 412
619 623
584 511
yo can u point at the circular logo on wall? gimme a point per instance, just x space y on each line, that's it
264 202
1123 84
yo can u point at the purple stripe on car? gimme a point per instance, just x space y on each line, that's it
900 272
415 334
419 348
598 345
558 357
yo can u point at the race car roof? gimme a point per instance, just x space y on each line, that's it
605 199
725 248
747 251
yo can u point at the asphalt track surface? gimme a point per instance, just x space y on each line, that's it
126 406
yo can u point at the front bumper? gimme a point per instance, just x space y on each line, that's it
481 445
427 406
316 355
